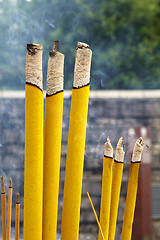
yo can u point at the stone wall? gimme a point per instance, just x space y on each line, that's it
110 114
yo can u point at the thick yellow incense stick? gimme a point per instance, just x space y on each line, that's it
33 182
52 143
95 214
132 190
17 217
76 144
116 187
106 189
3 204
9 210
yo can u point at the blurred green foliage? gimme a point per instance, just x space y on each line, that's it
124 36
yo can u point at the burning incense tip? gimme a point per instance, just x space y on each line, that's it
119 157
33 47
82 65
120 143
34 65
82 45
17 198
137 151
2 185
108 150
108 139
10 183
56 45
55 71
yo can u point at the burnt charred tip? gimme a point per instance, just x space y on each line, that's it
2 185
17 198
56 45
10 182
52 53
33 47
140 141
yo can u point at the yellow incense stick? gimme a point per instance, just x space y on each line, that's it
52 143
132 190
17 217
9 210
76 144
95 214
3 204
33 182
106 189
116 187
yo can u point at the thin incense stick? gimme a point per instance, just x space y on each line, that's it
33 182
52 142
9 210
17 217
76 144
106 189
116 187
3 204
132 190
95 214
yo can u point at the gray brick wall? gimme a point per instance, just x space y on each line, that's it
106 116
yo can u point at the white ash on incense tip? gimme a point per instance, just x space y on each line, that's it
82 45
10 182
137 151
82 65
108 149
2 185
55 72
17 198
119 156
34 65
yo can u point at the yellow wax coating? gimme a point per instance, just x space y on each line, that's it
115 193
33 182
3 203
52 154
17 221
130 201
9 211
95 214
74 164
106 196
17 216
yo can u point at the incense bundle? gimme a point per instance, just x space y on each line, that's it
106 189
3 204
9 210
132 190
112 207
76 144
17 215
116 187
33 181
52 143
